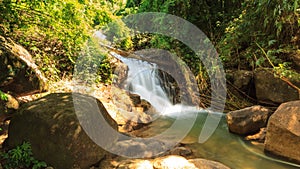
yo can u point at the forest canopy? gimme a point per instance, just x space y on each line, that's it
247 34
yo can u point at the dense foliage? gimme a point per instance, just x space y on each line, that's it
54 31
247 33
264 32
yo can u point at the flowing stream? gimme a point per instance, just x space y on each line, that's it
143 79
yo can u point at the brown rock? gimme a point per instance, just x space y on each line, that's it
243 80
181 151
260 136
131 113
51 126
271 89
283 132
296 59
19 74
248 120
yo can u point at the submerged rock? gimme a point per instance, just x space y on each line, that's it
52 128
283 132
207 164
248 120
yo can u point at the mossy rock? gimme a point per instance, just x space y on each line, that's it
51 126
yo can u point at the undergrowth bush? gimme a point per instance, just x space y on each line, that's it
21 157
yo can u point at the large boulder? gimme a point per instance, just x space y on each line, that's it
271 89
248 120
283 131
51 126
19 74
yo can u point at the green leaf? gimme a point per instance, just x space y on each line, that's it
271 42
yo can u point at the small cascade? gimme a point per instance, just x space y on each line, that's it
146 80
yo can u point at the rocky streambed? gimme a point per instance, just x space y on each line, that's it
53 129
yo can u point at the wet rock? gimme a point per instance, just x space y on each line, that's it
181 151
53 129
131 112
271 89
19 74
248 120
136 99
120 71
207 164
283 131
138 148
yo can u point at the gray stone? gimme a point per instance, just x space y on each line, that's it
248 120
283 132
51 126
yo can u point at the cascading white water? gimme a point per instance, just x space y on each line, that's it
143 79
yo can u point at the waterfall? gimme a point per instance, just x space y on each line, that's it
145 79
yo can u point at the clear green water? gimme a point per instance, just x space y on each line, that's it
223 146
